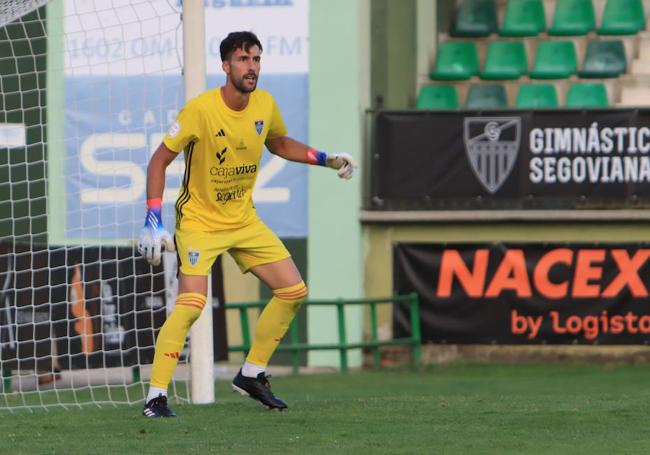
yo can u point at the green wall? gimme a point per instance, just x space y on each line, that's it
56 123
338 96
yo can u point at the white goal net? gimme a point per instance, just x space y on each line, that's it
11 9
87 90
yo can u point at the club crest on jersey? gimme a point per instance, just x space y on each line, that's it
259 126
193 256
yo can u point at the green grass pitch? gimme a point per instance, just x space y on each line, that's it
459 409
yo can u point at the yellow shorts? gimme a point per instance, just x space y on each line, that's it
251 245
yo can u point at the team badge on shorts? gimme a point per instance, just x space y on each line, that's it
259 126
193 256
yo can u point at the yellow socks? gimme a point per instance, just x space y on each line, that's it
274 322
271 327
172 337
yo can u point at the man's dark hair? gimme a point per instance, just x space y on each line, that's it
238 40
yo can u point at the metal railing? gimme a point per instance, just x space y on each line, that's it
295 347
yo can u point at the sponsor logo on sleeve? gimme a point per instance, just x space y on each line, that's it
174 129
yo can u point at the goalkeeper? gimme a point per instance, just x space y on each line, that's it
223 132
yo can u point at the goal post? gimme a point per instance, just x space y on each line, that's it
194 75
87 90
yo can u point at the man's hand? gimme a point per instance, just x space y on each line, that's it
153 235
343 162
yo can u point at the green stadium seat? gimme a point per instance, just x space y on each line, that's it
555 60
536 96
523 18
587 95
505 60
456 61
573 18
486 96
622 17
437 97
604 59
475 18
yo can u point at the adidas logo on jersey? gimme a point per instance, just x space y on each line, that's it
221 133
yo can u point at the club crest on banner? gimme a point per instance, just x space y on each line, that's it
193 256
259 126
492 145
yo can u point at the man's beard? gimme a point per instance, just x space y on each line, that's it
242 87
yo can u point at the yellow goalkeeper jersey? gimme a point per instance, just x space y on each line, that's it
222 158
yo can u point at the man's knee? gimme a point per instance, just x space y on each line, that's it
189 306
294 295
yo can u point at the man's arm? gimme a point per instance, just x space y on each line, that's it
153 235
161 158
288 148
292 150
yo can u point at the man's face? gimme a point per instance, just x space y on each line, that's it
243 68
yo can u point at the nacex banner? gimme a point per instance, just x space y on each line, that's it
526 292
511 160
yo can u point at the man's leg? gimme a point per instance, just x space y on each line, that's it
192 291
289 292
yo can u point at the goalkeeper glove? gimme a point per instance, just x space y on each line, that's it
343 162
153 235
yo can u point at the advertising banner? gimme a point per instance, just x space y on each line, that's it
526 293
87 307
25 304
511 160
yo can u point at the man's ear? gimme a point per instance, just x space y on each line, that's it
225 65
